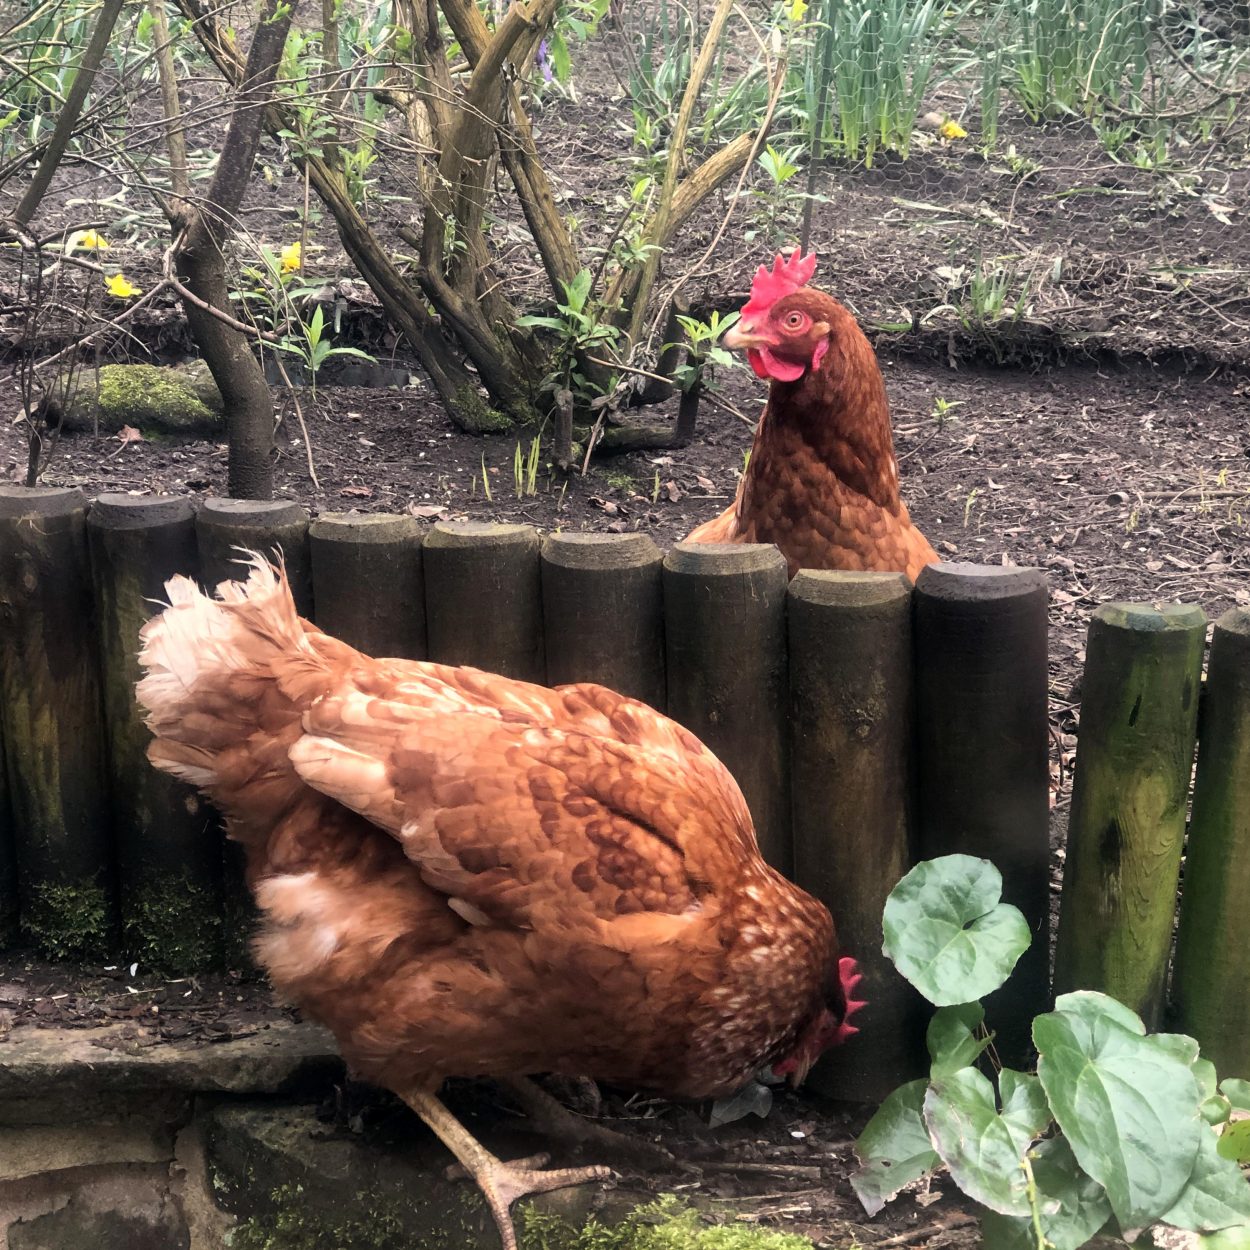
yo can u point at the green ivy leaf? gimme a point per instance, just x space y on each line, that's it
1217 1195
1128 1106
1234 1141
982 1149
1228 1239
1237 1092
1074 1206
952 1040
948 933
894 1148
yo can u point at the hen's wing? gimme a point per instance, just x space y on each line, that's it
530 807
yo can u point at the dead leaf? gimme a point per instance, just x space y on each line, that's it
427 509
358 492
673 491
705 483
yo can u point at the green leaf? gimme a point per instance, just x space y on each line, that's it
1228 1239
547 323
561 62
984 1150
1073 1205
948 933
951 1038
577 292
1128 1106
1217 1195
1024 1101
1237 1092
1234 1141
1206 1076
894 1148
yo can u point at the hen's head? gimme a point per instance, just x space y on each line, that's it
827 1026
785 327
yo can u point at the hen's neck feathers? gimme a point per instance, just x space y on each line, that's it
841 412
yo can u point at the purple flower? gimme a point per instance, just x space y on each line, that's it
543 61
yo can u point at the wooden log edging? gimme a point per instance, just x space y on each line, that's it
167 837
51 725
1211 976
8 857
367 582
1135 754
983 751
603 613
275 529
725 648
852 734
483 596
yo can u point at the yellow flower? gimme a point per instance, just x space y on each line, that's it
795 9
88 240
291 258
120 287
952 130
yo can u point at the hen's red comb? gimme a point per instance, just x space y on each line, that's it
785 277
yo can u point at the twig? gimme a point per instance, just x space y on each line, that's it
949 1224
299 416
805 1171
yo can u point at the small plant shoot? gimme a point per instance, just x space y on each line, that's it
1120 1135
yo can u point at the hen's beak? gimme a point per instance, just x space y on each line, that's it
741 337
799 1075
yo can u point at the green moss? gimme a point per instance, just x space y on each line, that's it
474 414
170 924
293 1225
662 1225
156 395
68 920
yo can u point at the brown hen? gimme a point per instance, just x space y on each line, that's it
822 481
465 875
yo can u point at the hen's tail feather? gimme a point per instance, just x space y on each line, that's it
209 664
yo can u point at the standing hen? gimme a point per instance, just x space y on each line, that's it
466 875
822 481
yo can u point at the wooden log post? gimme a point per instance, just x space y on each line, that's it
272 527
603 613
51 725
367 582
275 529
725 648
983 752
1135 753
168 838
8 861
851 787
483 598
1211 974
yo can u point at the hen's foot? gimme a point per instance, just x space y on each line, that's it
501 1183
552 1118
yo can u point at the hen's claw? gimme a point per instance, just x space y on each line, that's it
501 1183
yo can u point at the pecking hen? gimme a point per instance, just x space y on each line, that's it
821 482
465 875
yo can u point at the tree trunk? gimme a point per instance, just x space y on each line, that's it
202 265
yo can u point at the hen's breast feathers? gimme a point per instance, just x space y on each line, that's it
521 804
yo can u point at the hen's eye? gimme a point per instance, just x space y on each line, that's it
795 320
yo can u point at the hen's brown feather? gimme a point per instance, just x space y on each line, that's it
466 875
822 480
